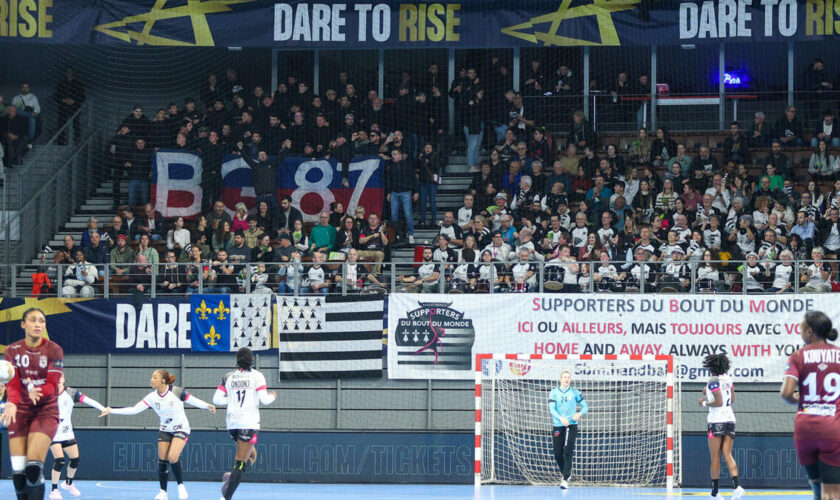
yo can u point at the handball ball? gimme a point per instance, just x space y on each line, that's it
7 371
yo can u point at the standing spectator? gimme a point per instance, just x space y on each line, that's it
212 153
79 278
265 177
139 169
430 166
567 87
13 136
816 87
402 191
28 108
69 97
827 131
789 128
138 123
474 114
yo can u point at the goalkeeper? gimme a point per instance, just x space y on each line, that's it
563 402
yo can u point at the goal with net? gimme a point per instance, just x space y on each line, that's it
629 437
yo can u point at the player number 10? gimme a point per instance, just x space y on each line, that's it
831 385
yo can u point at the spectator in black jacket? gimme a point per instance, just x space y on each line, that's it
13 130
347 236
402 191
265 179
96 252
137 122
139 167
789 128
474 113
827 130
429 166
581 133
817 87
172 277
69 97
286 216
151 224
735 146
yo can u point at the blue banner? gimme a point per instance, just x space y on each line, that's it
392 24
94 326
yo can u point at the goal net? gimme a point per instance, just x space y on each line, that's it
630 435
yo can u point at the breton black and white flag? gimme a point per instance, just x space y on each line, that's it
330 337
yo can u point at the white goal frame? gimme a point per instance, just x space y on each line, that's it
672 431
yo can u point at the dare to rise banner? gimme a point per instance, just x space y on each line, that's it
394 24
439 336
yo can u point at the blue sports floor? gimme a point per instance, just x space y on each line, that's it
116 490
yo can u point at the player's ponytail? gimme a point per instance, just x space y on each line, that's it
821 325
167 377
244 358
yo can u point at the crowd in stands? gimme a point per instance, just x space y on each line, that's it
570 207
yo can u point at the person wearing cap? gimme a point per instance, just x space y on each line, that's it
121 254
743 237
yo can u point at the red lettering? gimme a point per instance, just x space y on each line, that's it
793 329
673 305
757 306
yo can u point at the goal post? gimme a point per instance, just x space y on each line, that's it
630 436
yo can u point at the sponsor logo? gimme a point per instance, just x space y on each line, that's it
487 364
520 367
43 362
436 335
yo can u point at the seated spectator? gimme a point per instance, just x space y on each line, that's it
151 224
486 273
96 253
292 271
171 277
581 134
347 236
69 249
144 249
122 256
222 237
783 275
264 252
822 164
510 181
568 268
817 275
239 253
322 237
217 216
336 214
222 274
299 238
735 148
453 230
197 269
570 163
524 195
804 228
79 278
13 129
317 278
425 277
264 218
443 253
507 230
789 129
93 227
664 148
240 218
523 273
252 235
640 147
178 238
677 274
705 162
759 135
139 277
827 131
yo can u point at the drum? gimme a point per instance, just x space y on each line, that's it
374 290
554 277
519 287
605 285
482 286
457 286
706 286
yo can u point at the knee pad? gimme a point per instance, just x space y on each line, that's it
163 466
74 463
34 472
59 464
18 463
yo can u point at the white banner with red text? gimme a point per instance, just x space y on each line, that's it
438 336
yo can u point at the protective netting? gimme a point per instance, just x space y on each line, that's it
622 440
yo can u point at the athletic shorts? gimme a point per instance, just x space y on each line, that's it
244 435
66 444
32 419
811 451
721 429
166 437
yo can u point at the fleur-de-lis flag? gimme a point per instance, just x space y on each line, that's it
224 323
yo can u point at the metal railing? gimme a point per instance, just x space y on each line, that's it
343 278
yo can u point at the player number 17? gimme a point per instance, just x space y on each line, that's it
240 396
831 386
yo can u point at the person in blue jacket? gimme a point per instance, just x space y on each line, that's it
563 402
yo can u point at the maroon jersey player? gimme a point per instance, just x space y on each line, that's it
32 408
814 371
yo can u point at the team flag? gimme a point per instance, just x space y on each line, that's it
224 323
330 337
176 183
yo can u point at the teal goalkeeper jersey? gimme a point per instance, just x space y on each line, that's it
564 403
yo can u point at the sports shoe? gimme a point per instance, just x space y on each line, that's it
738 493
162 496
71 488
564 484
182 492
55 495
410 239
717 497
225 482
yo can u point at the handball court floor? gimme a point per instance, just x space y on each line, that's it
134 490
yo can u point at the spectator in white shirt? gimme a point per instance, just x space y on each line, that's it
720 197
466 213
29 108
817 274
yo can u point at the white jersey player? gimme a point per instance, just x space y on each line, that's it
167 401
64 441
242 391
718 397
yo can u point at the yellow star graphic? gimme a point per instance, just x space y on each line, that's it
49 306
196 10
601 9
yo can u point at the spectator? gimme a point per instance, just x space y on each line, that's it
778 159
96 253
287 215
822 163
663 148
816 86
93 227
817 275
804 228
264 218
783 274
29 109
705 163
347 236
144 249
571 163
240 218
298 237
139 167
720 197
430 166
252 234
466 213
322 237
137 122
152 224
13 130
683 159
475 114
171 278
122 256
217 215
264 252
69 97
117 228
336 214
79 277
425 278
640 147
510 181
452 230
222 237
316 280
735 147
178 238
402 190
789 129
